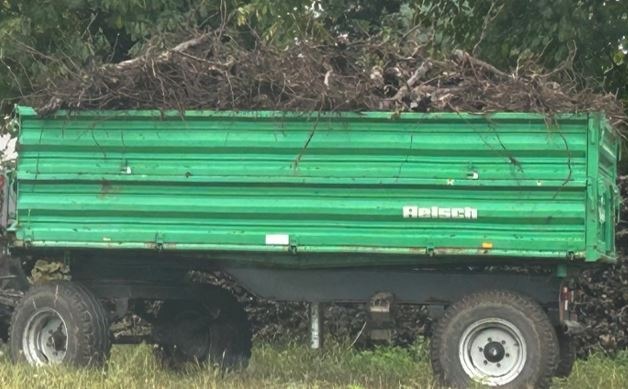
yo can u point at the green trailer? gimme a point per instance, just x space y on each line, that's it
482 215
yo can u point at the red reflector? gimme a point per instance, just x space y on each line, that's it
566 294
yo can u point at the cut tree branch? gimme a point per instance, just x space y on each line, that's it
164 56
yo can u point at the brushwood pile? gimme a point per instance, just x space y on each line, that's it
221 70
217 71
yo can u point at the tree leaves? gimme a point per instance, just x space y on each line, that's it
504 32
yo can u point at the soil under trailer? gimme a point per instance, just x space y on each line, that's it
483 218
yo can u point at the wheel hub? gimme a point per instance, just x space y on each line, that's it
45 338
492 351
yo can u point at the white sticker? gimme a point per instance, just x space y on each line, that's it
278 239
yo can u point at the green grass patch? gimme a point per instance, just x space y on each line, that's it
284 366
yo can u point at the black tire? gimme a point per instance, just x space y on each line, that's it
5 321
462 348
76 321
213 329
567 353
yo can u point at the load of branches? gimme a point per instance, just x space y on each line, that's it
215 70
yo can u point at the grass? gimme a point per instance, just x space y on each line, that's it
285 366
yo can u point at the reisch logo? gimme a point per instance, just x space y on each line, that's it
416 212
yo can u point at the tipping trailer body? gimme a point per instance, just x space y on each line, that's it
374 208
407 187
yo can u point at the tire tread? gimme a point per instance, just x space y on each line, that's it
93 322
529 306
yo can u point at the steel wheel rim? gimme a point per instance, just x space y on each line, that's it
492 351
45 339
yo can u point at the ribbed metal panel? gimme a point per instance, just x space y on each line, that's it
268 181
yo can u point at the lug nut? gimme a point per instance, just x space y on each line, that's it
485 362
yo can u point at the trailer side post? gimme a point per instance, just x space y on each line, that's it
316 326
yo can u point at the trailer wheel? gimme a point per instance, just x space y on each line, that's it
5 320
567 352
213 329
60 322
495 338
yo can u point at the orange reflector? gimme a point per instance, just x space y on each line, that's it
487 245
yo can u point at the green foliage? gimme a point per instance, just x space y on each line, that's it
84 31
507 31
500 31
88 32
504 32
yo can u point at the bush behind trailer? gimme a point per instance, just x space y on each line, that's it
483 215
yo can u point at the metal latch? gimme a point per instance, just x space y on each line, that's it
159 241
